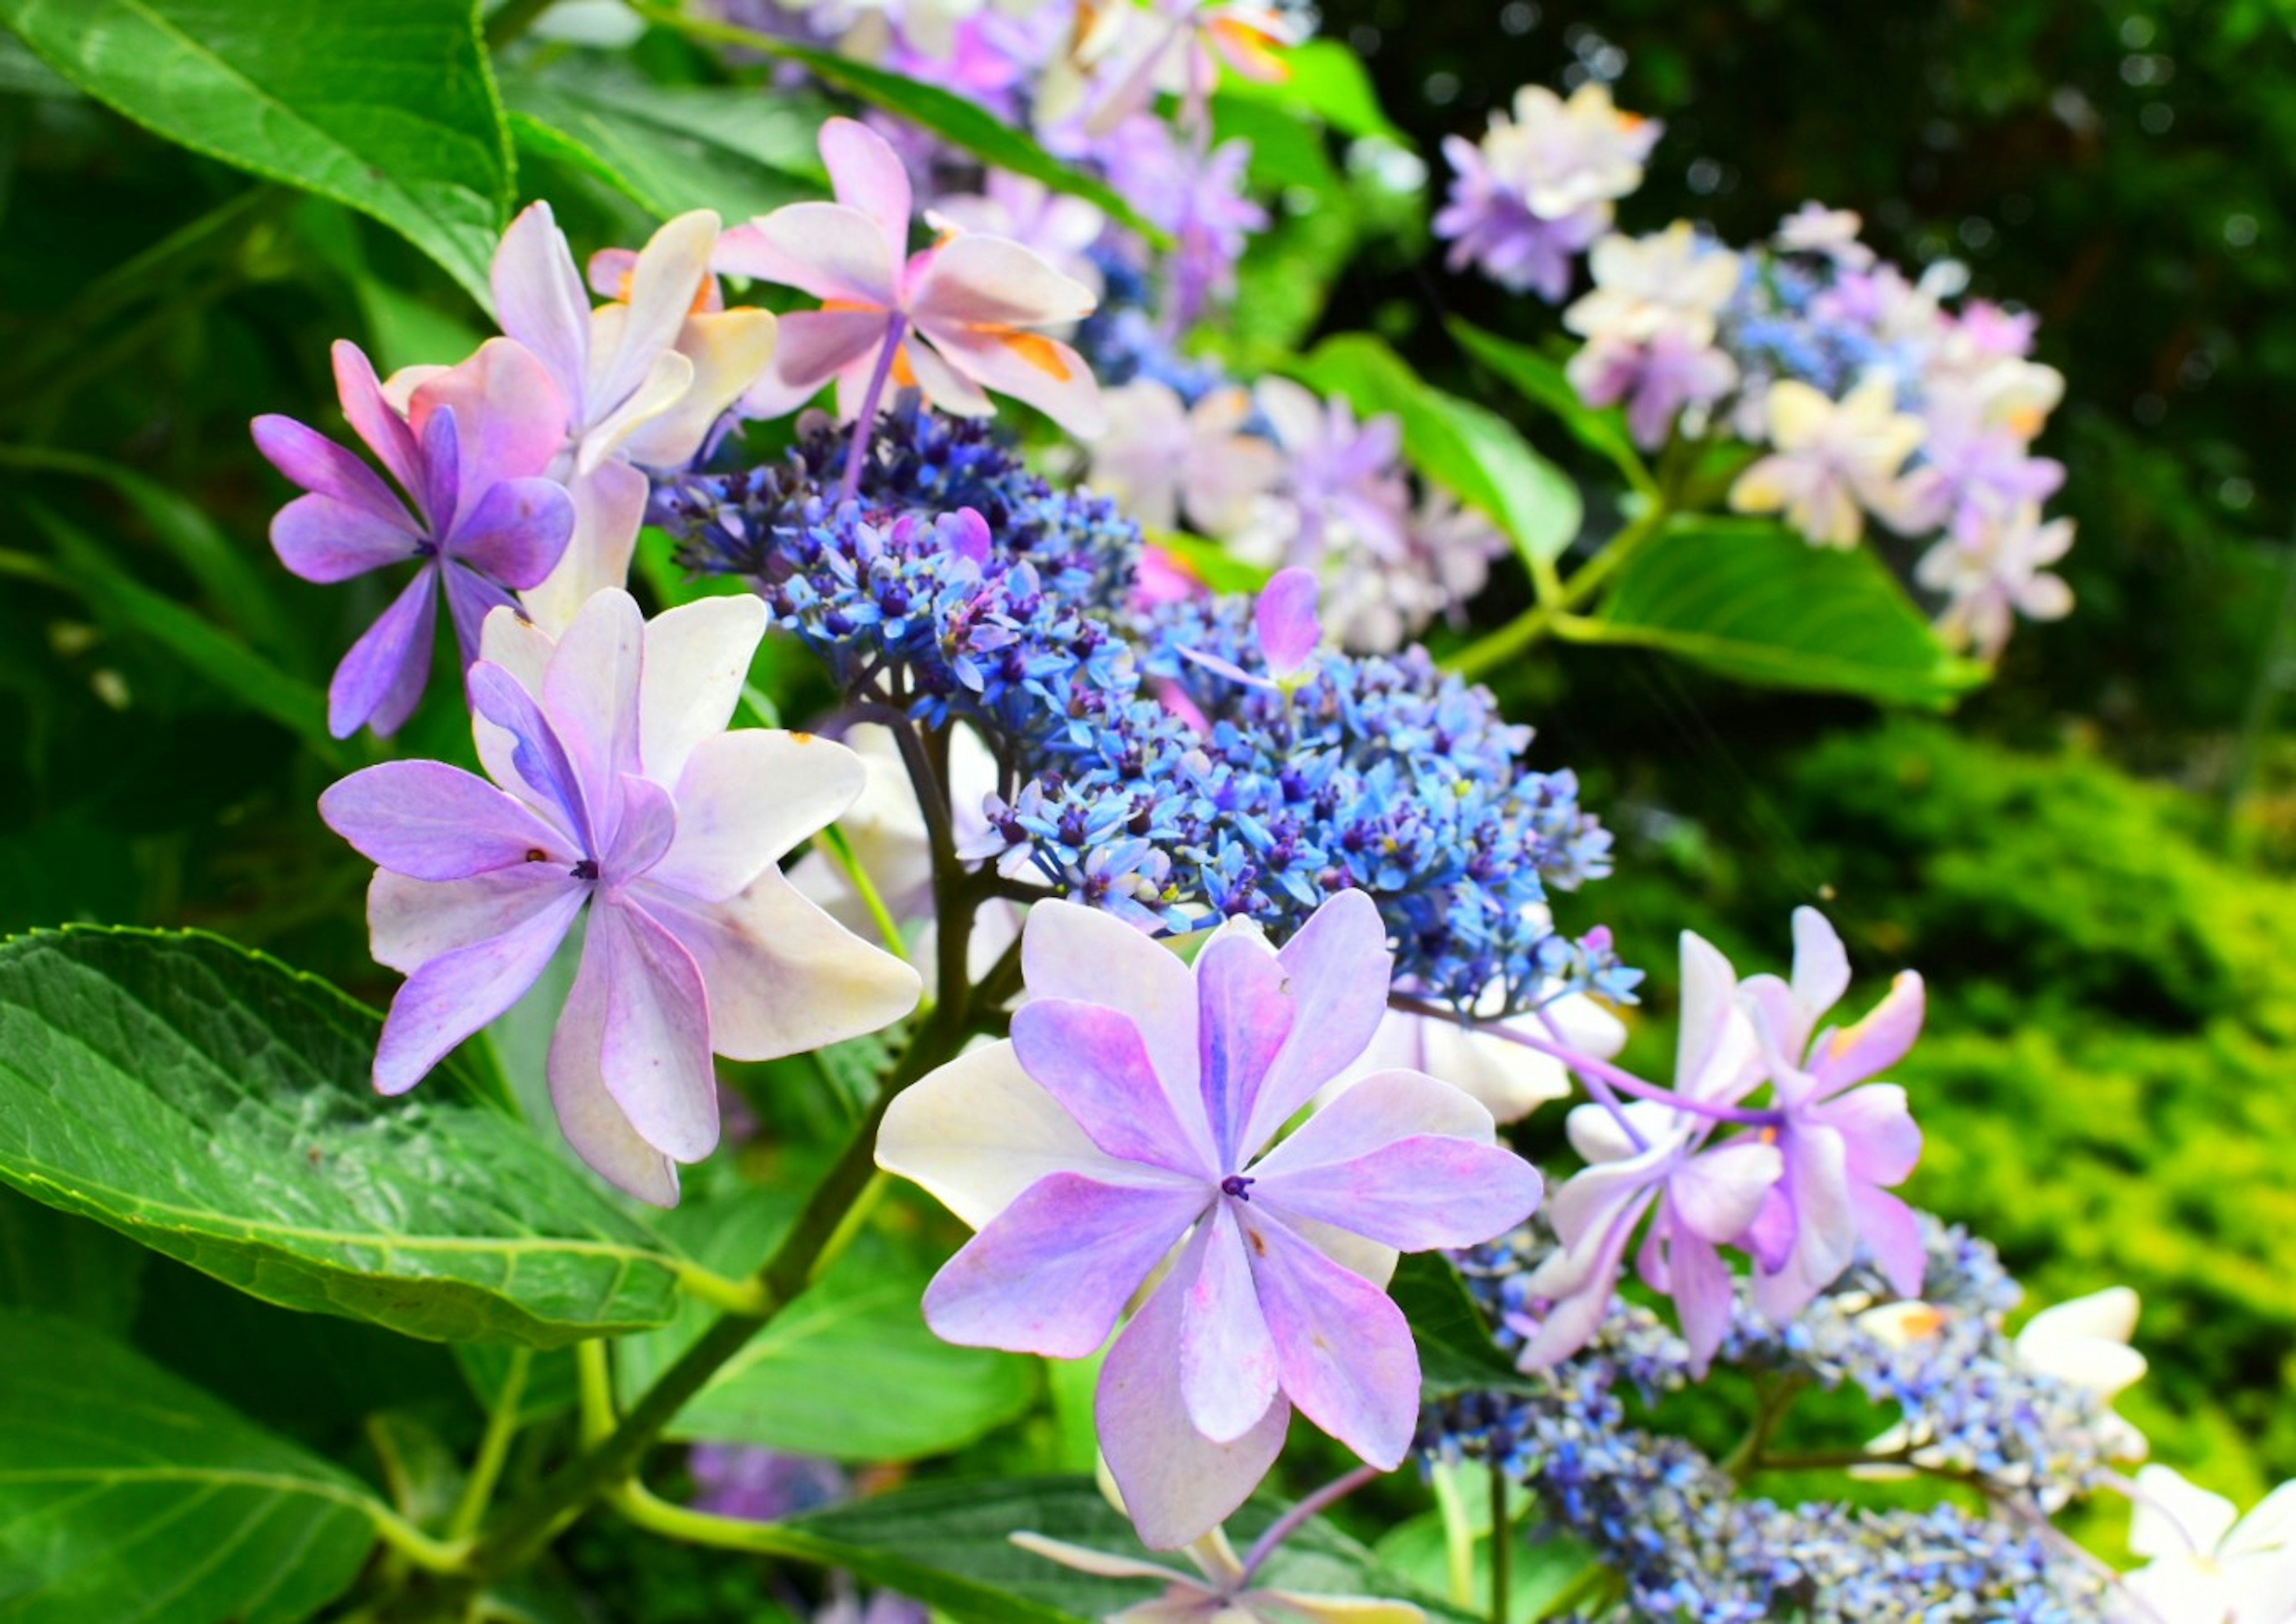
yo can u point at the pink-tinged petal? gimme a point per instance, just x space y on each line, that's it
1718 1193
965 534
647 826
1286 618
1070 951
697 657
1245 1012
1375 1112
745 800
1331 1608
1093 1061
992 282
512 418
664 286
784 976
1045 372
1583 1209
523 650
1415 1194
1893 1235
609 503
609 271
655 1057
471 598
374 418
1718 1057
593 1123
1177 1484
590 692
1878 1131
517 532
727 352
323 540
537 759
455 994
1051 1272
429 821
1821 967
1227 1359
944 386
1345 1353
980 1130
319 465
381 679
816 346
1581 1285
1874 1044
410 923
866 174
827 250
1702 1290
1336 969
1769 1239
539 298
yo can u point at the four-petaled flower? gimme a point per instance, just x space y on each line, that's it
2208 1564
622 794
1162 458
468 451
1131 1113
1834 463
978 306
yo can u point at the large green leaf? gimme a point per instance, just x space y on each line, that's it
1457 1354
387 106
129 1497
821 1378
1472 452
1754 601
215 1106
1541 381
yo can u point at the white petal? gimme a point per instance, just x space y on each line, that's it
697 657
745 800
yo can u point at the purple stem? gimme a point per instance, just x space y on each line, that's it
1592 1071
1286 1525
896 326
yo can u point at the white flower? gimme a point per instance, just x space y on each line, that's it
1834 462
1673 280
1562 156
2208 1564
1816 229
2084 1343
1996 572
1161 458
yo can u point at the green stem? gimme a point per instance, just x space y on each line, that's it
1553 612
1459 1537
1502 1543
1771 1405
1589 1582
493 1447
841 852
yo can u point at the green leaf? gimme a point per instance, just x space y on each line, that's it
947 114
1213 564
847 1371
216 1106
53 1263
386 105
1329 80
1541 381
1457 1354
949 1545
1472 452
670 148
1753 601
129 1495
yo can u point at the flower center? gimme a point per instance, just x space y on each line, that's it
1235 1185
587 869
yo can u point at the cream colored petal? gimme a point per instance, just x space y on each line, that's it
728 350
697 657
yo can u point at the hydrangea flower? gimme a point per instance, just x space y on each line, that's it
1831 233
976 306
469 451
1670 281
1656 378
1505 1079
1343 479
644 378
2208 1564
1055 226
616 793
1196 192
1489 224
1131 1113
1177 47
1162 458
1995 573
1220 1591
1834 462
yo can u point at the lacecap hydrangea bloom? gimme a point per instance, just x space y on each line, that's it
1134 1112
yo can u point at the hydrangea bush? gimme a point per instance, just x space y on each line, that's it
978 965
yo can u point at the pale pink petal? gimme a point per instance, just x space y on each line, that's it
1227 1359
1104 1564
539 301
1395 1103
374 418
827 250
992 282
1051 1272
656 392
455 994
430 820
1071 951
593 1124
1046 374
1246 1012
411 921
1285 619
745 800
1093 1061
946 388
868 176
697 657
1176 1483
1821 967
980 1130
655 1056
1893 1235
1702 1290
323 540
319 465
784 976
816 346
381 679
609 503
663 289
1718 1193
1878 1130
590 693
1581 1284
1416 1194
1336 969
1876 1043
512 417
1346 1355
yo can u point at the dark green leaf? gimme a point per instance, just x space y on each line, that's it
216 1106
1541 381
129 1495
386 105
1457 1354
1754 601
821 1379
53 1263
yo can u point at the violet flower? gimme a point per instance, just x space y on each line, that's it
1489 224
622 796
1131 1114
1656 378
468 452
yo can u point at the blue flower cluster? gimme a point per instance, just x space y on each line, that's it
1688 1546
1776 326
1144 783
